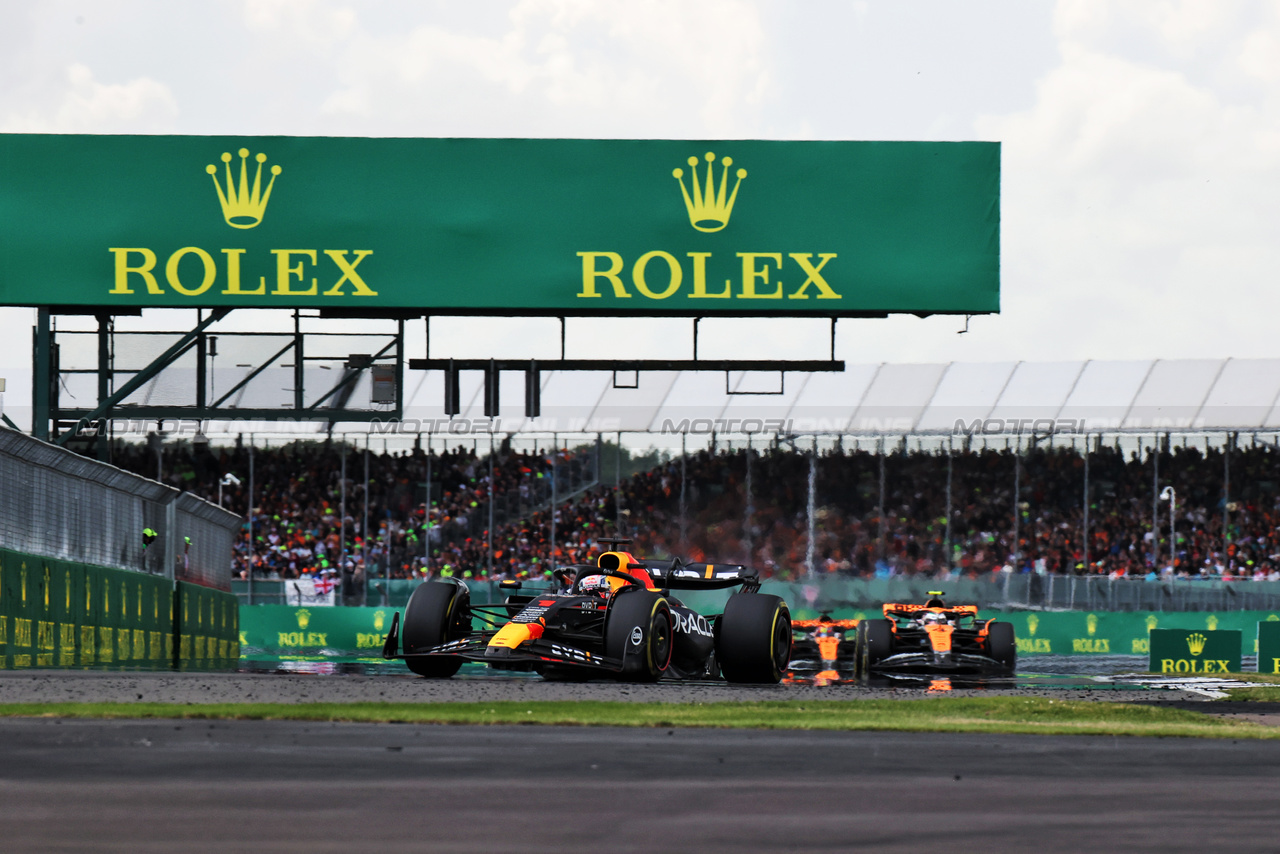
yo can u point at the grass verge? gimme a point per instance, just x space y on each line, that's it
980 715
1255 694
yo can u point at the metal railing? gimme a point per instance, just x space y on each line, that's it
54 503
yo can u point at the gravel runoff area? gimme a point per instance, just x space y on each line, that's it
50 686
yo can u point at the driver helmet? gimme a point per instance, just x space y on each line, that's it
933 618
595 585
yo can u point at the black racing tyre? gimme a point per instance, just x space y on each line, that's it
875 639
859 641
639 632
1002 645
437 612
753 641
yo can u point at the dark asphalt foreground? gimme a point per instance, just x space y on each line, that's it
274 786
197 786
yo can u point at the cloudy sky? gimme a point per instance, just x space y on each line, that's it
1141 140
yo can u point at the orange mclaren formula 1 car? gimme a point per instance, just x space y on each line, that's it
615 619
934 638
822 648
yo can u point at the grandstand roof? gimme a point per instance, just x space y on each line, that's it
1096 396
1001 398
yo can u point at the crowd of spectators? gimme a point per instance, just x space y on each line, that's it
304 523
698 508
913 536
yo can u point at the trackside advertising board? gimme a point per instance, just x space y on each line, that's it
1183 651
1269 647
501 226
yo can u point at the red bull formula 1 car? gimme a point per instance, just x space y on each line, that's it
934 638
615 619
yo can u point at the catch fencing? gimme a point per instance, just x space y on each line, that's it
57 504
995 591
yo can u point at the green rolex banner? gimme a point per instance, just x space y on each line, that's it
1269 647
504 226
1195 651
284 628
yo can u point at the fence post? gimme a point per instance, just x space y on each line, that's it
426 515
364 529
880 506
342 509
493 497
946 537
1086 502
1155 502
555 496
170 539
813 486
750 507
251 551
1228 441
684 523
1017 497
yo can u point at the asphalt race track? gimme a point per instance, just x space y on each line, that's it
52 686
169 786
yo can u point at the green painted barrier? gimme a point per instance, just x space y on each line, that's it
57 613
1268 646
206 628
1195 651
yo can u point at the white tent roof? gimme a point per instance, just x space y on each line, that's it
866 399
1117 396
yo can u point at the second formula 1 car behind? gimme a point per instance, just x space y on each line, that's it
934 638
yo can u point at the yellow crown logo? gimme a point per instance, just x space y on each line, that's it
1196 643
379 620
1212 622
1152 622
1091 624
304 617
243 207
708 208
1032 622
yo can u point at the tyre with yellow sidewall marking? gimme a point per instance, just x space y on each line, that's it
753 638
640 632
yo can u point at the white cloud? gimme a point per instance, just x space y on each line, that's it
556 68
87 106
1135 222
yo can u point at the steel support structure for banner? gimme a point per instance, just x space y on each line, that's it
85 428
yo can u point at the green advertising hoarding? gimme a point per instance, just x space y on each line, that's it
501 226
1194 651
1269 647
288 629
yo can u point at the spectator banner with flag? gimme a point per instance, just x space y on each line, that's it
310 592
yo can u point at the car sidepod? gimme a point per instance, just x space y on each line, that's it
693 644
